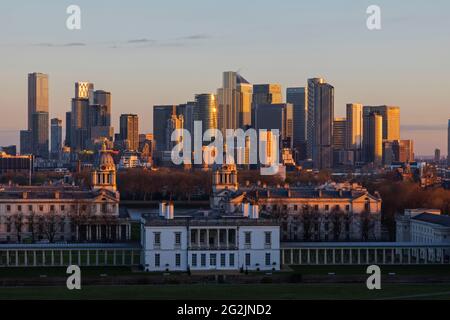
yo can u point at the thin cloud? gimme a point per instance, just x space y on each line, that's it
200 36
143 40
50 45
423 127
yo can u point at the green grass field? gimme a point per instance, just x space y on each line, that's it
225 291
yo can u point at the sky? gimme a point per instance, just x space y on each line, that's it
148 52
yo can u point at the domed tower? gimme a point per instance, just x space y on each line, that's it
105 176
225 177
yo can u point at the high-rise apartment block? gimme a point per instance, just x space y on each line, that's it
56 138
354 130
373 138
129 131
323 126
298 97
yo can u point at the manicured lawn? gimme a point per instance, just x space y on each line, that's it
224 292
361 270
61 272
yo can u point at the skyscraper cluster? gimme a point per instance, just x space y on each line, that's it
306 121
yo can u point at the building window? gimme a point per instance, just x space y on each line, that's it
30 208
248 259
19 208
8 228
268 238
212 259
63 208
232 259
177 239
157 260
347 207
157 239
327 207
222 260
268 259
203 259
8 208
316 207
295 207
248 238
52 208
177 260
194 259
41 208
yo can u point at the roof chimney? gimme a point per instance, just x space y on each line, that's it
169 211
255 211
162 209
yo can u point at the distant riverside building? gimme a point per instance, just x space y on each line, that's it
35 139
40 134
448 143
437 155
161 114
26 140
398 151
174 123
37 95
129 130
9 150
229 102
79 118
265 94
276 116
339 133
207 111
16 164
56 138
313 100
391 120
245 106
323 126
84 90
298 97
373 138
354 130
67 140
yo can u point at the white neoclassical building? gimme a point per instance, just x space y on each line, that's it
56 213
207 240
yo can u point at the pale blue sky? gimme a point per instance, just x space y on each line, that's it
164 52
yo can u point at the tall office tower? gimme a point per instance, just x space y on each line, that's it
103 98
313 102
26 140
160 116
39 129
265 94
37 95
448 143
373 138
175 122
276 116
67 140
246 94
339 133
437 155
84 90
191 113
207 111
79 133
228 102
354 131
56 138
298 98
129 131
323 126
391 120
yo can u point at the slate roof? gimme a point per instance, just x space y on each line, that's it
441 220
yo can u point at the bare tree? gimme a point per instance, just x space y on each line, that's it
337 217
18 221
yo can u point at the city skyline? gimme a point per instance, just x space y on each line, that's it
164 61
